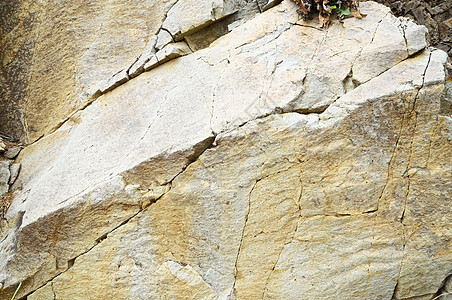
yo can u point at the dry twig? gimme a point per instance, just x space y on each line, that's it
326 8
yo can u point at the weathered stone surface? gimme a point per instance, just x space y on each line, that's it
255 168
338 258
171 51
415 36
61 67
426 262
115 81
138 67
12 152
17 43
434 14
373 59
447 289
4 176
163 39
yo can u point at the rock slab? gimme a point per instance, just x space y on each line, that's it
281 162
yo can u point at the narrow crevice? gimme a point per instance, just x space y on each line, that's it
71 262
258 6
413 109
439 297
402 30
53 291
357 83
23 110
348 84
294 232
276 34
64 121
119 71
212 109
142 137
172 37
378 26
241 240
317 110
271 4
391 160
371 211
308 26
130 66
167 12
199 149
405 240
188 45
393 297
264 292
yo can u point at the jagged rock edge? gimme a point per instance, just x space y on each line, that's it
99 93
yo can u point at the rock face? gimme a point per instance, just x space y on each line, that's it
280 162
436 15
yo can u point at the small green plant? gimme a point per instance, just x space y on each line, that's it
18 287
327 8
341 10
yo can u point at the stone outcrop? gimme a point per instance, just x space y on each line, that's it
278 161
436 15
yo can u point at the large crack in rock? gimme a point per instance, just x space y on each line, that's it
252 91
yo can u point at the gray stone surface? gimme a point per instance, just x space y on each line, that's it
12 153
14 170
4 176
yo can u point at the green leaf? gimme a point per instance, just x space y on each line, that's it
344 11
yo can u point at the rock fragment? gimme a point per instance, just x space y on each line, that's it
12 152
14 171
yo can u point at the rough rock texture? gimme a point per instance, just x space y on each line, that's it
4 176
280 162
51 69
436 15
